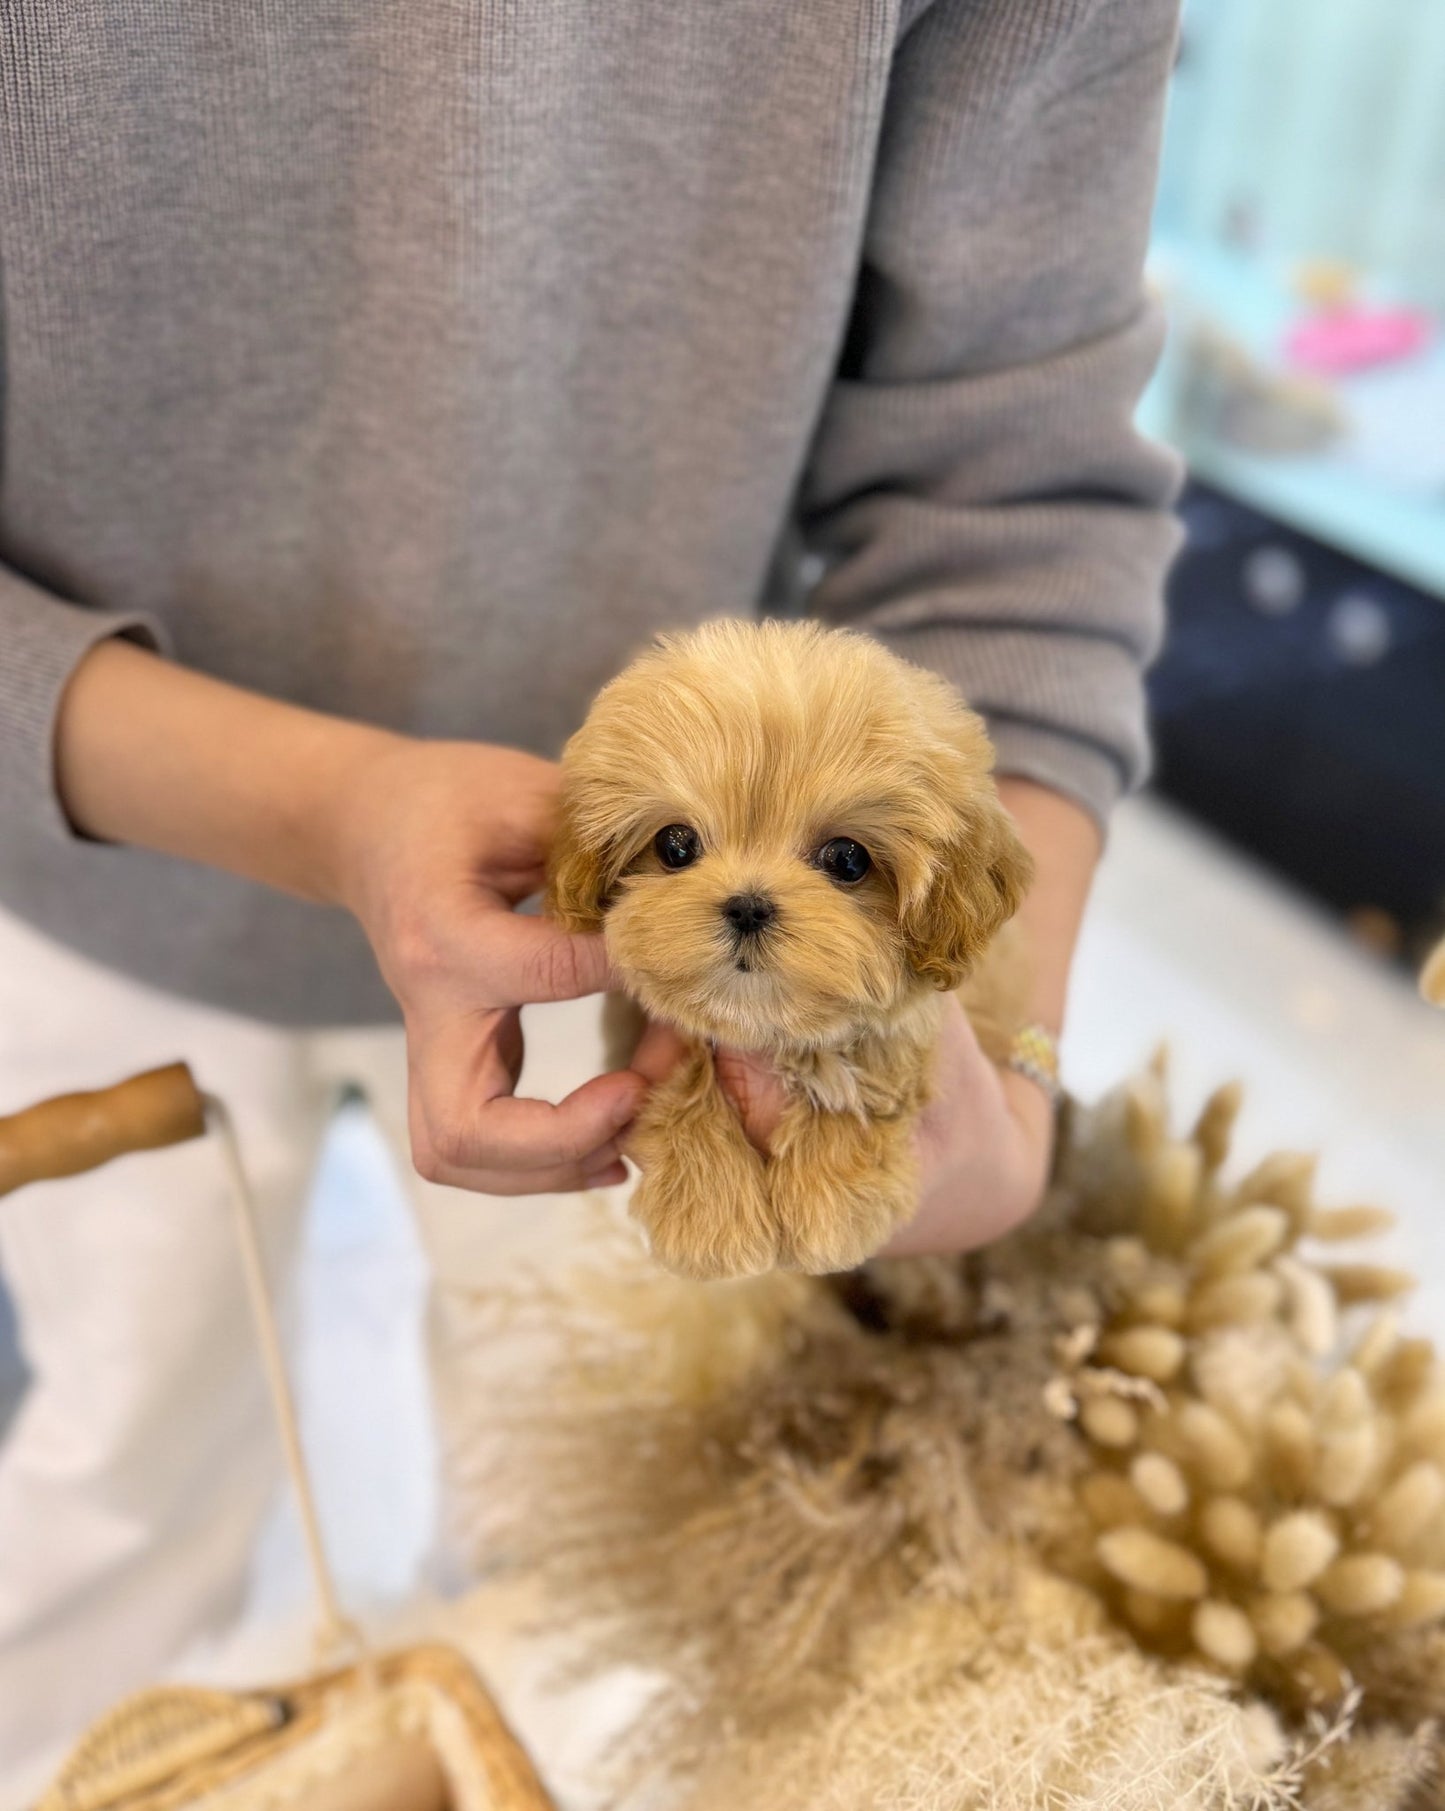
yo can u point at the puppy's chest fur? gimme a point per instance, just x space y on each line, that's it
875 1077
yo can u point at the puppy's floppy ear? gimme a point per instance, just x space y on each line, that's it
579 874
981 874
601 812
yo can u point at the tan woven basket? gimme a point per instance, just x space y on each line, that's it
409 1731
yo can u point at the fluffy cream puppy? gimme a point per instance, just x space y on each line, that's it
793 844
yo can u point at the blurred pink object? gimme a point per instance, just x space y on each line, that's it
1350 339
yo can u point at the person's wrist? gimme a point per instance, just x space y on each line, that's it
1065 844
1030 1106
354 774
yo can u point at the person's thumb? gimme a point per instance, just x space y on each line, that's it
535 961
659 1050
757 1094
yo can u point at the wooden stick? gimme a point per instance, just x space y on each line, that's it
77 1132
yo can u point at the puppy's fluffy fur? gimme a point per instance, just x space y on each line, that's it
760 745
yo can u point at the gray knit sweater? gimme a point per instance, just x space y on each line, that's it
416 359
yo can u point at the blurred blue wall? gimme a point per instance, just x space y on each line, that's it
1313 129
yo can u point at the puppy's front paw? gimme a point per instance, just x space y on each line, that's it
691 1232
840 1190
702 1199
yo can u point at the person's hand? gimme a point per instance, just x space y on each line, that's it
429 844
437 842
984 1140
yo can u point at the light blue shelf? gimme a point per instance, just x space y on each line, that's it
1394 522
1304 130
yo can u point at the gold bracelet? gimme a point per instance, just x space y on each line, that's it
1034 1052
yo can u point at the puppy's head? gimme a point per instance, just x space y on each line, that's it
785 831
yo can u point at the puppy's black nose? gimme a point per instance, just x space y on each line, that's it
749 913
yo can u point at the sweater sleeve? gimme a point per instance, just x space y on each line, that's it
977 491
42 641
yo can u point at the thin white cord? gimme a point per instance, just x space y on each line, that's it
337 1632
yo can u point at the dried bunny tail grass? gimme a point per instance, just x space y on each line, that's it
1408 1511
1148 1563
1214 1128
1336 1225
1274 1507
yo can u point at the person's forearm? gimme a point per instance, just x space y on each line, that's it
151 754
1065 844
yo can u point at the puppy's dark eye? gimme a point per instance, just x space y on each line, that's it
677 846
844 860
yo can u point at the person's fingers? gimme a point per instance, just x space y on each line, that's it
750 1084
498 1132
600 1169
533 961
659 1050
757 1094
518 880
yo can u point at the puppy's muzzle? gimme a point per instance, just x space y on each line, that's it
748 915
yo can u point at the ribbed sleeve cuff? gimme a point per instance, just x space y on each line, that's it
1064 710
42 641
1088 776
